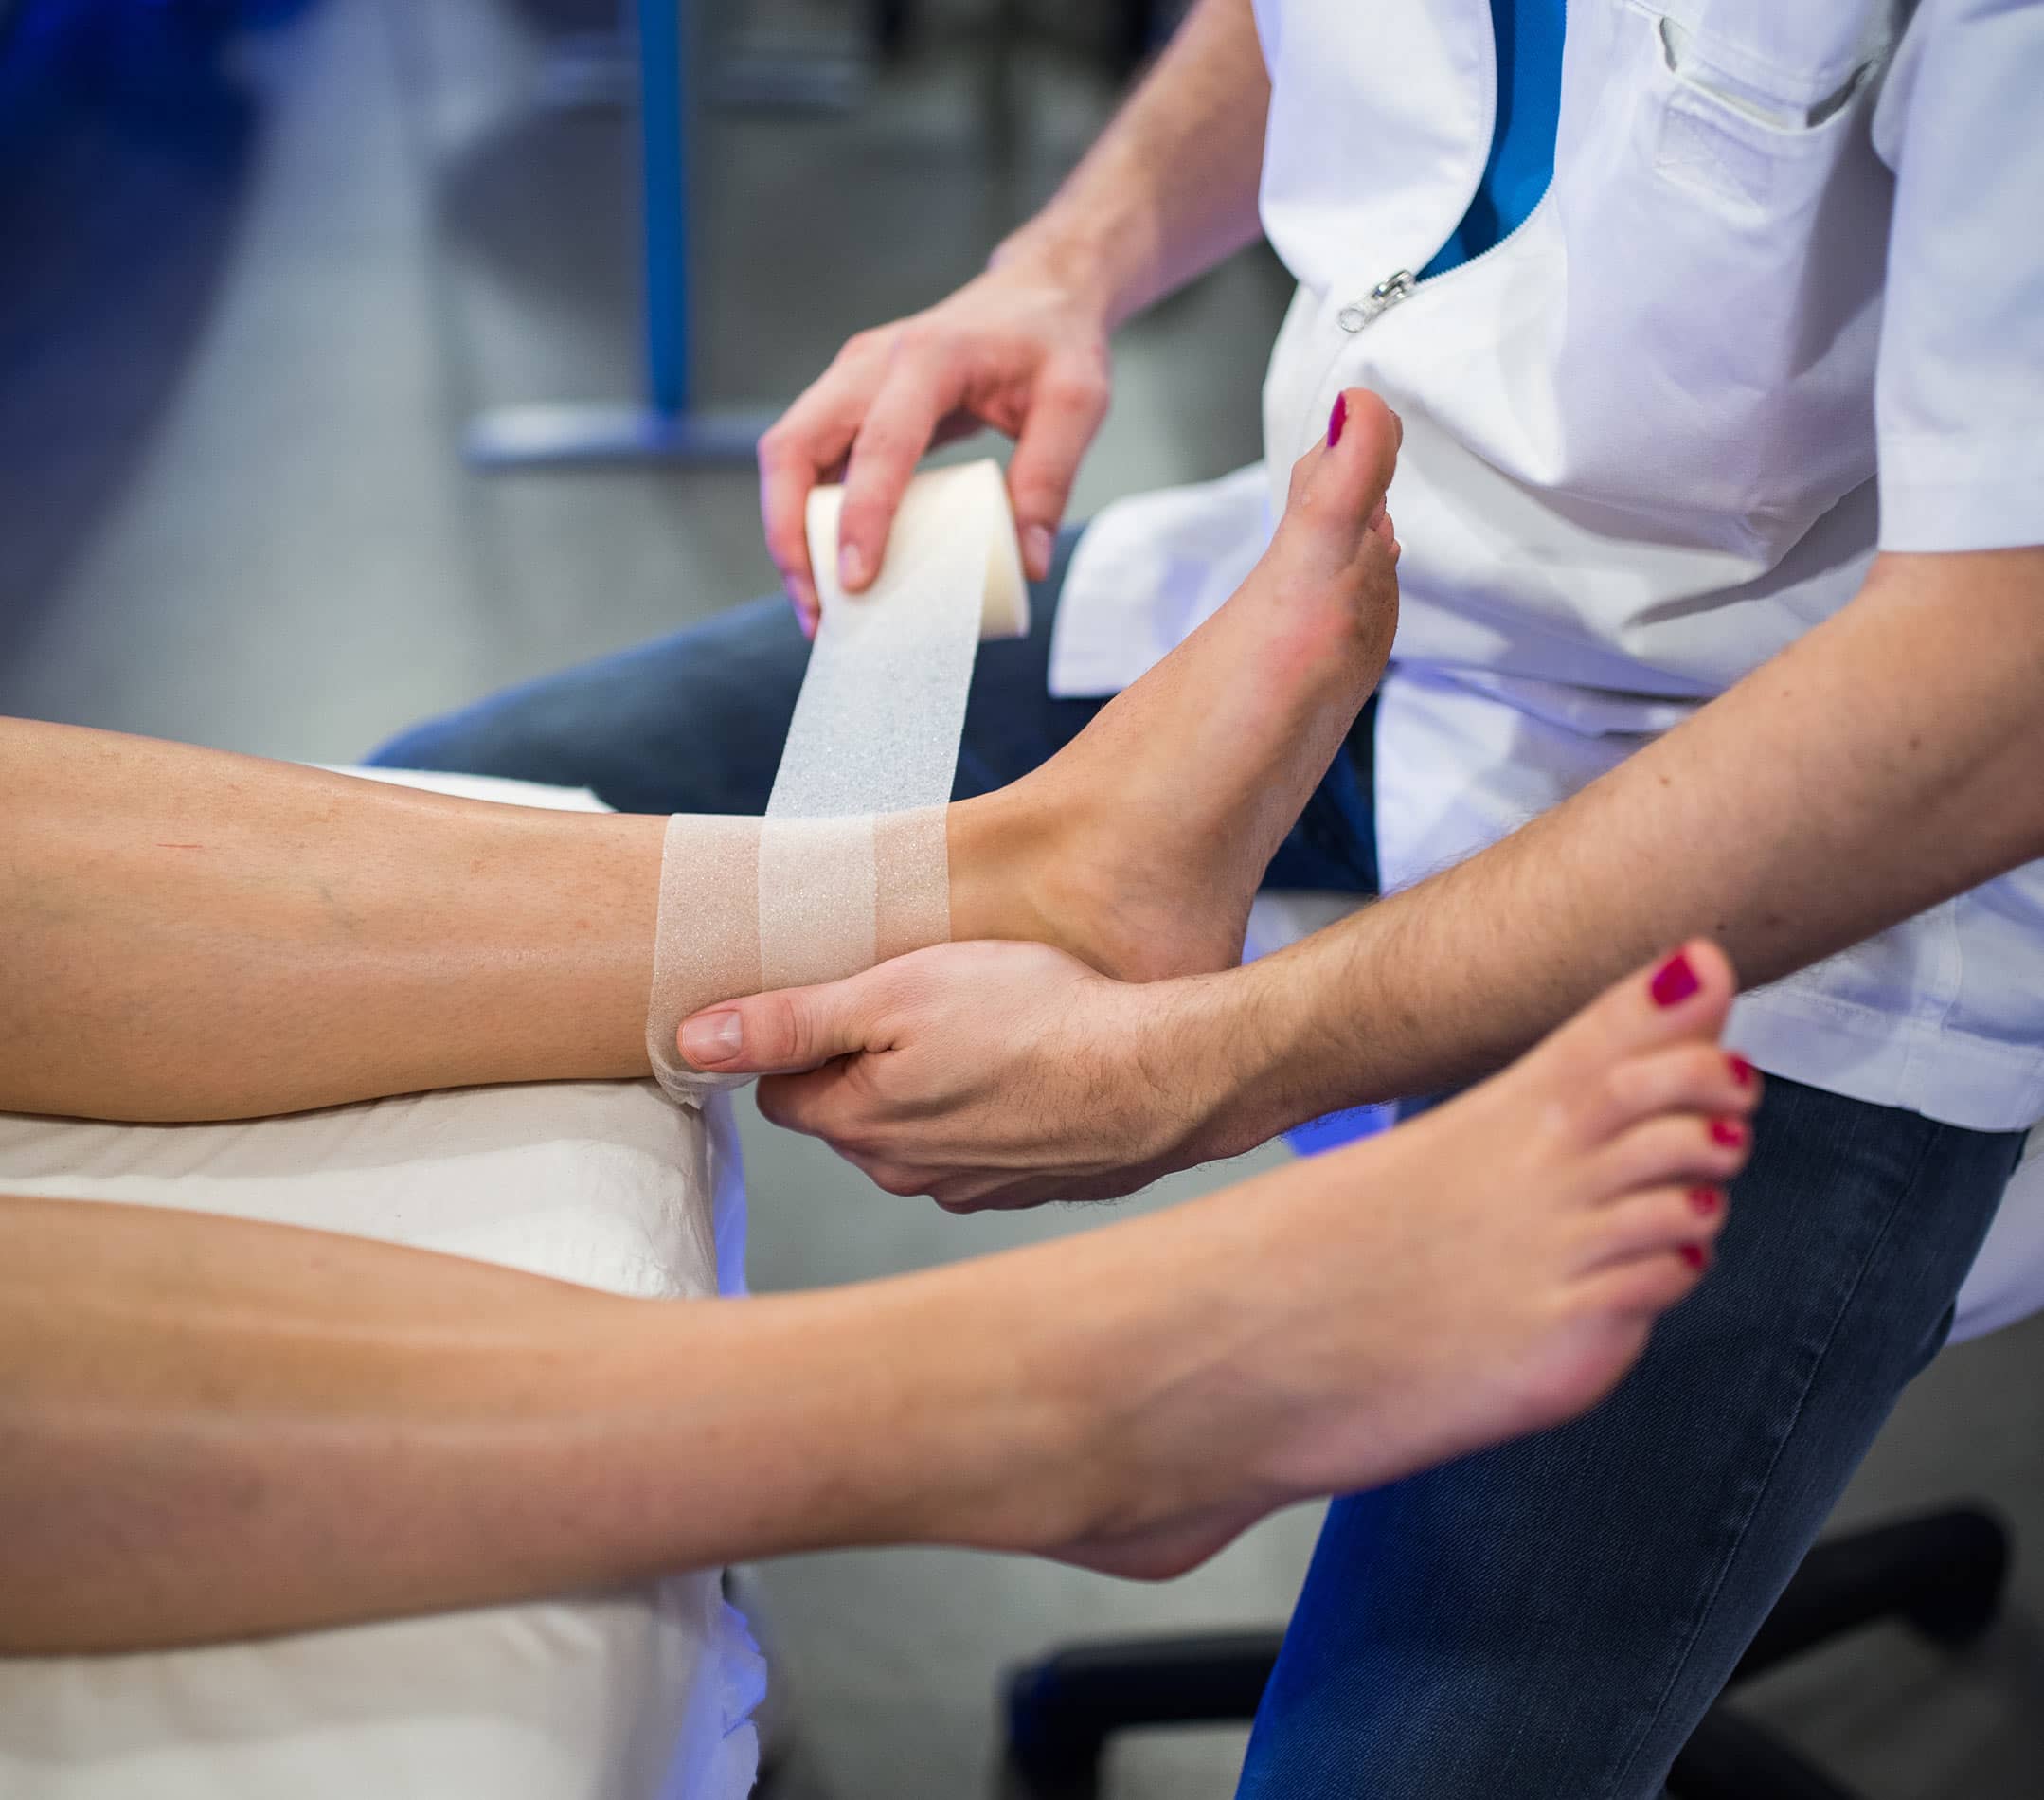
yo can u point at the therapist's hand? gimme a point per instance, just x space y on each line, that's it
1019 350
985 1074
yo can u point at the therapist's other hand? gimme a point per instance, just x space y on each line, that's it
1016 348
985 1075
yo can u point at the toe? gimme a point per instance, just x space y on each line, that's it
1656 1222
1341 483
1684 996
1646 1285
1697 1076
1692 1149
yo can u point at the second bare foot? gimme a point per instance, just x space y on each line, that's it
1139 846
1491 1268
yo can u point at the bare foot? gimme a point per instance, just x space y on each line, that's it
1491 1268
1139 846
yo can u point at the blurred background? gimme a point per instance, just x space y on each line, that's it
270 268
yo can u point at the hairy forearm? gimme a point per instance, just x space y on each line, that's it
1170 186
1888 760
187 934
211 1428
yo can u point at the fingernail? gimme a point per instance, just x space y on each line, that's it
1696 1257
1726 1131
712 1037
1337 418
1742 1070
1399 425
1705 1200
1036 543
1675 980
852 566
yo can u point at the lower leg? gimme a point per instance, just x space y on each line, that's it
202 936
228 1427
187 934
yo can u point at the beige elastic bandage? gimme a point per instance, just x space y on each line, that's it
849 866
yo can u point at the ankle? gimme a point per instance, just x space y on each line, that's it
999 846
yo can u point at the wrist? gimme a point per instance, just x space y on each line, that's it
1268 1055
1228 1037
1095 268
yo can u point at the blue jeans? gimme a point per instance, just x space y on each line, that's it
1546 1621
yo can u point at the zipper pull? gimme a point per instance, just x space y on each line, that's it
1381 298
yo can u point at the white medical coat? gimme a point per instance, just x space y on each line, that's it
1783 304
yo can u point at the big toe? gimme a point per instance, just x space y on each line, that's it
1684 996
1338 486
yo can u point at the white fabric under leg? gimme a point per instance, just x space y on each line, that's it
849 865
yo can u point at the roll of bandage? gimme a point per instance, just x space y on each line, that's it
849 865
877 725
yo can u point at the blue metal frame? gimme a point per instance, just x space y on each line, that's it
664 427
664 173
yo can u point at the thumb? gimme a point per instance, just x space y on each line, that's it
795 1028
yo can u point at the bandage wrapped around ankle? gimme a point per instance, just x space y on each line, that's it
849 867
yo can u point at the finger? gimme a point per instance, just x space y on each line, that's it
805 1101
804 444
891 439
793 1028
1065 410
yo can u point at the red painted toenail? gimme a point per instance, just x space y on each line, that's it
1675 980
1726 1131
1705 1200
1742 1070
1696 1257
1337 418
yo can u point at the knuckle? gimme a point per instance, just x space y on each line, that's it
898 989
777 1029
883 441
862 347
1080 388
